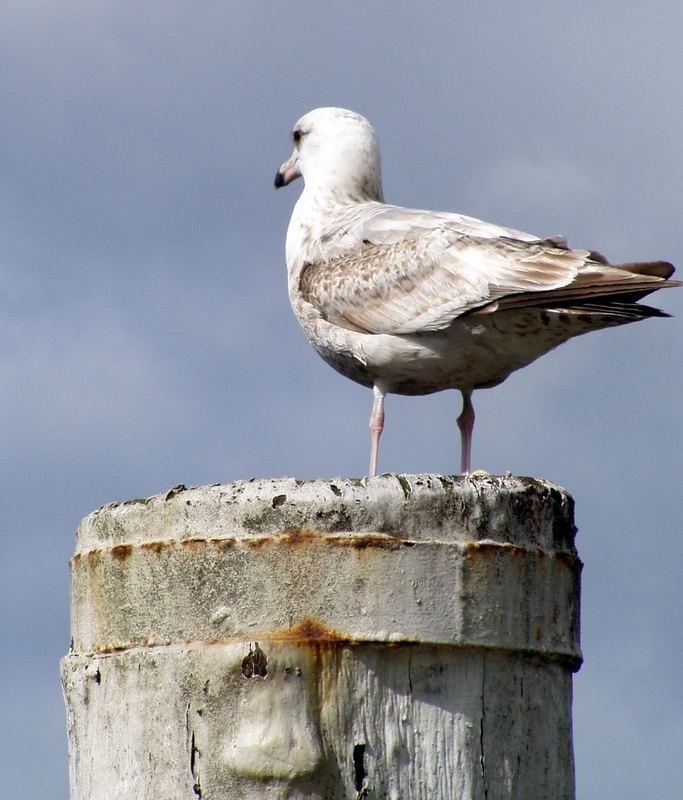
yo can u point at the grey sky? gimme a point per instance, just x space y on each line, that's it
147 340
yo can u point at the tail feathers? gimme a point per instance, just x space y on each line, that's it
609 288
657 269
654 269
623 310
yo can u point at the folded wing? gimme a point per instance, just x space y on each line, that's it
402 271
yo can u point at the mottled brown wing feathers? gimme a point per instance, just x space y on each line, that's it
424 282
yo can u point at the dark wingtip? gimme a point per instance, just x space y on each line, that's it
279 180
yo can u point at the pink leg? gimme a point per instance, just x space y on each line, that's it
466 425
376 427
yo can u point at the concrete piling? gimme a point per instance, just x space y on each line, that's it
406 636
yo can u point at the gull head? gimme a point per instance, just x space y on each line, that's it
337 153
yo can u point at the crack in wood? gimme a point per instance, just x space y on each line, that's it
360 775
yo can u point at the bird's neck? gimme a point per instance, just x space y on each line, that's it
332 187
309 227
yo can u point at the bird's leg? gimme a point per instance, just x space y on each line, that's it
466 425
376 427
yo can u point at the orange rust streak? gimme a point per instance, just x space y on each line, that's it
380 542
307 630
483 548
192 544
155 547
299 536
477 549
292 538
121 551
306 536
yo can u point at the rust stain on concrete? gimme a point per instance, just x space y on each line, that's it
308 630
298 537
121 551
488 549
306 536
153 547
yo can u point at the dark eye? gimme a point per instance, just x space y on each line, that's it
296 135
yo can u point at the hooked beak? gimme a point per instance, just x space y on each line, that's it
288 172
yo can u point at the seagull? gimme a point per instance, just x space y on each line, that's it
412 302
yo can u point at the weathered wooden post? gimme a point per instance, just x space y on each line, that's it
398 637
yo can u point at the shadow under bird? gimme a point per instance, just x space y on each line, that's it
413 302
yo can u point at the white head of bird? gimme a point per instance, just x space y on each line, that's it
336 151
